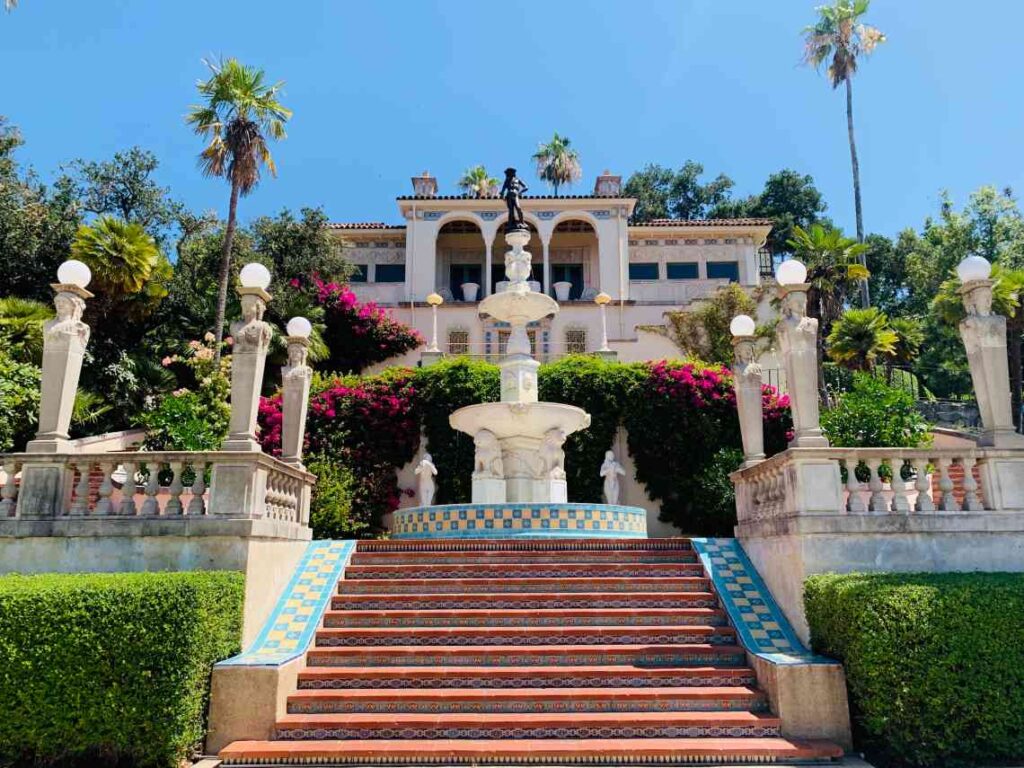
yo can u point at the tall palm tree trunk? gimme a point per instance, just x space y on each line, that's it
225 268
865 294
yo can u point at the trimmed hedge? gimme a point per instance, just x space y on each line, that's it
111 669
934 662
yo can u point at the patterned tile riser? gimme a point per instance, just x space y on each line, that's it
579 659
343 622
412 604
566 546
580 732
453 680
444 760
539 571
412 639
555 520
440 558
530 707
357 587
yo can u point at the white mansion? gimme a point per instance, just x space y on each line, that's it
582 245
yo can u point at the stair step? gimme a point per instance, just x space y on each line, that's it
523 571
526 636
500 678
507 585
686 654
527 700
558 725
513 556
524 545
481 617
527 600
532 751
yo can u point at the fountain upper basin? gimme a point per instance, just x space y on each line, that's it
514 304
507 420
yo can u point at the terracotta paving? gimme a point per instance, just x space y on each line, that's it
478 652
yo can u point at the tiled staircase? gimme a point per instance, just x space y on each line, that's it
540 651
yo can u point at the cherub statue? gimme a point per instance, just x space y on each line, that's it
487 463
510 191
552 456
610 471
426 471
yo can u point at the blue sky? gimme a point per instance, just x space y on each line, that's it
384 90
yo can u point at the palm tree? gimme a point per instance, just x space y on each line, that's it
21 328
240 111
477 182
909 338
121 254
840 39
860 337
557 164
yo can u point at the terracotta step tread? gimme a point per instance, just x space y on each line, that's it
526 671
723 718
482 637
501 569
506 585
553 596
499 649
529 545
515 613
535 751
499 556
532 694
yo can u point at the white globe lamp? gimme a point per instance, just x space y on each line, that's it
254 275
742 325
74 272
299 327
973 268
791 272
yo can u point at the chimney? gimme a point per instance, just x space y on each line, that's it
425 185
608 185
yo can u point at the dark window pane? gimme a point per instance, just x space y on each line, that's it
391 273
648 271
361 273
724 269
682 270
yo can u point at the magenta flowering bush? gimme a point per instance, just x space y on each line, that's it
359 334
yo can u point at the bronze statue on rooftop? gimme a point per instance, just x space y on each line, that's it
511 190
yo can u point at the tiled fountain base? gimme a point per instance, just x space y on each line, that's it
563 652
516 520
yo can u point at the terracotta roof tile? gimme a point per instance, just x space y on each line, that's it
703 223
363 225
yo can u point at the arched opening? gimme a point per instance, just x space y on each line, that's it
498 249
574 259
461 254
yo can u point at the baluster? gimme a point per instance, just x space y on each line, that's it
9 493
947 503
103 505
877 501
971 501
176 488
196 505
293 499
127 508
80 503
924 487
854 503
151 506
900 502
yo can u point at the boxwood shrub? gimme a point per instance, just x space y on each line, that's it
934 662
111 669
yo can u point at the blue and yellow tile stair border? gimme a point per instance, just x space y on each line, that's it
289 630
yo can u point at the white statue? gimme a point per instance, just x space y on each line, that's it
552 456
487 463
610 471
426 471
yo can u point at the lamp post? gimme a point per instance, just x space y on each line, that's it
248 358
64 341
295 381
748 385
434 300
798 340
602 300
984 337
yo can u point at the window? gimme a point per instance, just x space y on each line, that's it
682 270
576 341
391 273
463 273
724 269
361 274
644 271
458 342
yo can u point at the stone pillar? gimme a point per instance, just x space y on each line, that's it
295 381
488 279
64 341
747 376
798 341
984 336
546 247
248 358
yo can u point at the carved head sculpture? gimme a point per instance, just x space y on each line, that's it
744 351
609 455
297 354
69 307
253 307
977 296
427 458
794 304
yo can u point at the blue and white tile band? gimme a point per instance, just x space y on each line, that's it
299 610
515 520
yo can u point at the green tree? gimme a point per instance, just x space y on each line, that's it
838 39
477 182
663 193
860 337
121 255
652 188
557 163
21 328
239 113
703 331
909 338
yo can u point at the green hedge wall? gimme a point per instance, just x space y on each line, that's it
934 662
111 669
